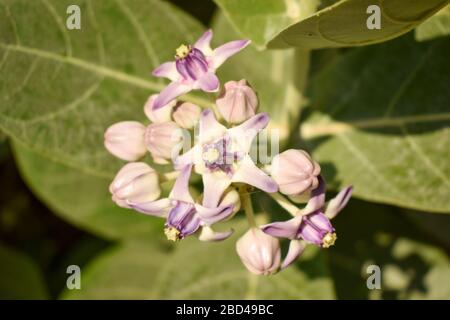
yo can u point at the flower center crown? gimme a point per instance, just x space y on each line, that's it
329 240
182 51
172 234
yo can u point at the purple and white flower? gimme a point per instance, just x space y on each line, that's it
312 224
222 157
183 215
195 67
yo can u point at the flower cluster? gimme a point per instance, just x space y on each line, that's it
221 156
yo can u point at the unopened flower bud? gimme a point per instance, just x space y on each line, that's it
295 172
238 102
186 115
125 140
163 140
135 183
259 252
158 115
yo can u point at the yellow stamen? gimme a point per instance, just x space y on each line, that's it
172 234
329 240
182 51
211 155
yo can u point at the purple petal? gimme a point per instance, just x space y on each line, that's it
171 92
317 200
210 129
249 173
244 133
285 229
214 184
208 234
296 248
320 221
180 190
338 203
212 215
167 70
157 208
203 43
222 53
310 234
209 82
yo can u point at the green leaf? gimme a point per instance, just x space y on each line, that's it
279 77
437 26
197 270
293 23
21 278
261 20
379 121
412 266
80 197
60 89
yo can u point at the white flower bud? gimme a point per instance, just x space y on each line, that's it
295 172
238 102
135 183
163 140
125 140
186 115
259 252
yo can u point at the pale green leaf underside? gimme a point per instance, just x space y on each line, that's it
261 20
60 89
344 23
381 122
197 270
20 277
284 24
81 198
437 26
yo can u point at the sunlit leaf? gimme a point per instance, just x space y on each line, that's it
60 89
380 121
437 26
293 23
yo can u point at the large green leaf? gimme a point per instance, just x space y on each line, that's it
80 197
412 266
279 77
437 26
20 277
261 20
60 89
290 23
197 270
380 121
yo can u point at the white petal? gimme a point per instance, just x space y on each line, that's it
214 185
249 173
167 70
210 129
244 133
180 190
208 234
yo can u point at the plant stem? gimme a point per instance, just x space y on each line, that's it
247 205
285 203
